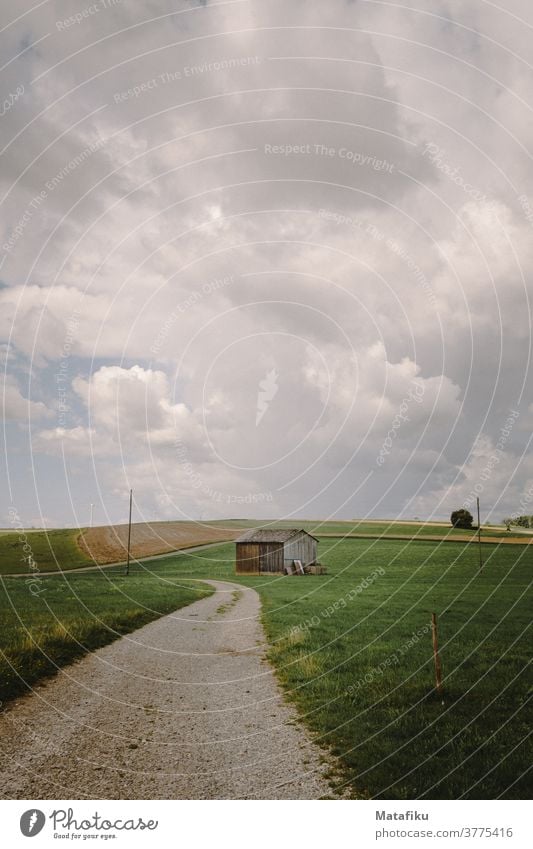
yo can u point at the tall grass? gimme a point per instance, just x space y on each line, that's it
75 614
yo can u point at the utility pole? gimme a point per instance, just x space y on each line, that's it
129 536
479 538
91 520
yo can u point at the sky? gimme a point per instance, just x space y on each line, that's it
265 259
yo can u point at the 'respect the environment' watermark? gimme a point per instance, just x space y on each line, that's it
370 229
50 185
188 71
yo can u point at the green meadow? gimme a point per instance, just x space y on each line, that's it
50 550
58 550
352 650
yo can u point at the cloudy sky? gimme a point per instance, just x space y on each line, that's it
266 258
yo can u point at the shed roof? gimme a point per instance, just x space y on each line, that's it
272 535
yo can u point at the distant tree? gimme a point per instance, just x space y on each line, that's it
523 521
462 518
520 521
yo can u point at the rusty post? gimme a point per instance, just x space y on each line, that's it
436 658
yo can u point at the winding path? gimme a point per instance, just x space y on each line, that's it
184 708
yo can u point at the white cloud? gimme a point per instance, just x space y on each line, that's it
357 266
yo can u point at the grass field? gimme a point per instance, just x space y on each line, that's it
62 550
373 528
352 649
49 549
59 550
68 617
361 675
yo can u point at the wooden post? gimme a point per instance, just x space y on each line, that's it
479 538
436 658
129 537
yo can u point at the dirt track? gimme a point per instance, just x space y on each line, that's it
184 708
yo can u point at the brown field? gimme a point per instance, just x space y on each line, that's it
109 544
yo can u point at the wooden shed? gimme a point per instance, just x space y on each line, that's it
274 550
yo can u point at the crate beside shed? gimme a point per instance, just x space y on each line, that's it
275 550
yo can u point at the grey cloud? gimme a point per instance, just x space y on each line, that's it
208 170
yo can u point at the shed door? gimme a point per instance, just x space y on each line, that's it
249 557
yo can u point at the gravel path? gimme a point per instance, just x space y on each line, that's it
184 708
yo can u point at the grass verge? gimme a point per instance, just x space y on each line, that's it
74 614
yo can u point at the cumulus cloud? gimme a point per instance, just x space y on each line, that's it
340 195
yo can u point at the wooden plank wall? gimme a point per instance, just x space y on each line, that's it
247 557
253 557
302 548
271 557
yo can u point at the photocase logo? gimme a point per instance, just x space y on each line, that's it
32 822
268 388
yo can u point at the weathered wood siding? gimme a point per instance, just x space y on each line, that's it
271 556
255 557
259 557
302 547
247 557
